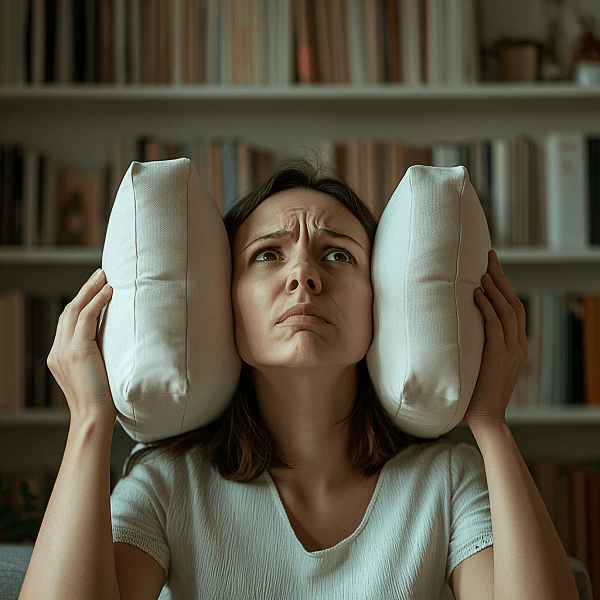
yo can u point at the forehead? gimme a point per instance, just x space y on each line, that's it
285 209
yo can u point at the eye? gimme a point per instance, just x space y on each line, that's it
343 252
263 250
275 250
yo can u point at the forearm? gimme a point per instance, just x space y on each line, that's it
73 556
529 559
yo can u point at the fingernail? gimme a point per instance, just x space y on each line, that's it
97 274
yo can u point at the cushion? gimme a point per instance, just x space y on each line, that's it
14 560
429 255
167 334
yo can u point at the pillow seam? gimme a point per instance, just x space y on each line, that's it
402 396
460 207
187 263
137 255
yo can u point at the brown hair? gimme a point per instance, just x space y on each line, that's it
238 442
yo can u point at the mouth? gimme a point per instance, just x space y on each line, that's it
301 313
303 319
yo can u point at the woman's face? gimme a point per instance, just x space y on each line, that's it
306 266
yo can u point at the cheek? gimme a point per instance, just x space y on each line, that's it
249 309
360 301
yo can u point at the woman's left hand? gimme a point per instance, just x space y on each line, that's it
505 350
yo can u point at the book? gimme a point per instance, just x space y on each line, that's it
591 348
13 308
413 42
31 210
566 193
356 44
64 41
78 207
324 49
306 66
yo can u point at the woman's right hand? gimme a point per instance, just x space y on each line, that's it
75 359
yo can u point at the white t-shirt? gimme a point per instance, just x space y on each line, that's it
219 539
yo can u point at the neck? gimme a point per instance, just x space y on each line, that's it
303 410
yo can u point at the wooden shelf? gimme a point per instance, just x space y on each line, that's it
568 90
65 255
50 255
574 415
504 94
554 415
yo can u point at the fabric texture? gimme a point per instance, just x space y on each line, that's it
221 539
429 255
167 334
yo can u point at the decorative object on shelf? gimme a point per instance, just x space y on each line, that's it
585 58
429 255
167 334
518 60
587 73
551 66
79 206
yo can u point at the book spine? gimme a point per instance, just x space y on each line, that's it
591 345
119 48
566 193
356 43
229 183
500 192
30 197
272 38
306 69
594 191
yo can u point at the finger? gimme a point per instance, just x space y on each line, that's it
494 333
502 283
71 313
87 323
505 312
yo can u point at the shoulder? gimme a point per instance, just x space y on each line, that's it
440 461
438 453
162 469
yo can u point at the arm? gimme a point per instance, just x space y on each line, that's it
528 559
73 556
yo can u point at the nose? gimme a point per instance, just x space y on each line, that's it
304 274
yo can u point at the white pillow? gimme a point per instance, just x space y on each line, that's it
167 333
429 255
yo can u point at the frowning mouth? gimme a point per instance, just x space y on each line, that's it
304 319
301 313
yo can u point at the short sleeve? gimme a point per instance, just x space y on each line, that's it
139 507
471 521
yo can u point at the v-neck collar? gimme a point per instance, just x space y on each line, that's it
346 540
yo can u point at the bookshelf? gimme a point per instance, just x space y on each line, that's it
285 118
75 122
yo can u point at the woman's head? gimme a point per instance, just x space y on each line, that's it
301 240
239 444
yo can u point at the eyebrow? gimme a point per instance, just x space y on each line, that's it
321 230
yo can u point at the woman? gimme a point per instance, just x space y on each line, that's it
304 487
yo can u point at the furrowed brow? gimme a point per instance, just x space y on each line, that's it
321 230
